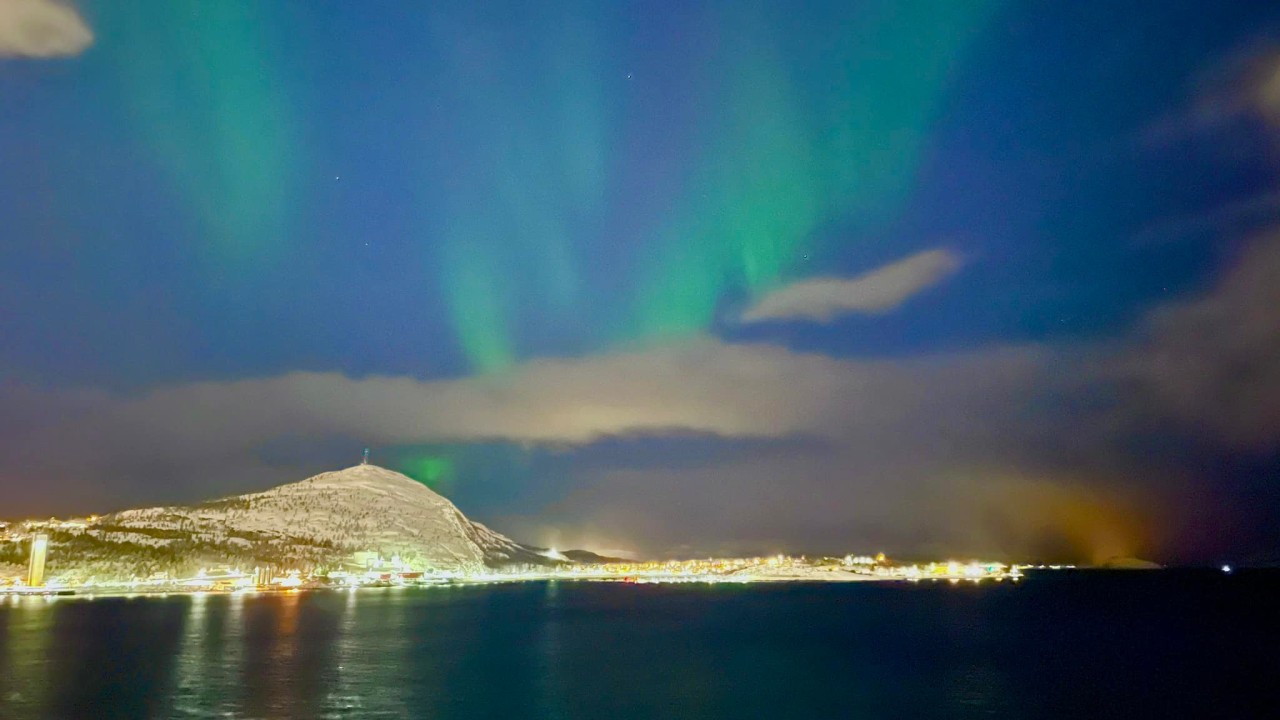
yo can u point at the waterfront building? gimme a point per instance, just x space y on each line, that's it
263 576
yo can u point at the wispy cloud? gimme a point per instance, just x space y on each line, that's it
883 289
1243 87
1228 219
42 29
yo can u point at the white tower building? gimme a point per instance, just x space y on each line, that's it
35 570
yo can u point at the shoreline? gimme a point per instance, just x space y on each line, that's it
126 592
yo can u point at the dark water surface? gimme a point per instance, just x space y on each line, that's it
1067 645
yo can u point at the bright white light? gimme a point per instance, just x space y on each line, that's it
1226 569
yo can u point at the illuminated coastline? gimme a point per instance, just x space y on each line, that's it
370 570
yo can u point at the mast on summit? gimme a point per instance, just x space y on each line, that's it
364 460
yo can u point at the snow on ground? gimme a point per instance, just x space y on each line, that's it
362 508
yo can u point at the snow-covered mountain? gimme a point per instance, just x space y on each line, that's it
323 520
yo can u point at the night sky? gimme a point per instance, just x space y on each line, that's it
663 278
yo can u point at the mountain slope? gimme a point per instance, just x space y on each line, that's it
320 521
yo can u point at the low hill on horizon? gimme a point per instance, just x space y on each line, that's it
1129 563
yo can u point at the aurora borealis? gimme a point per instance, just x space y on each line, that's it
556 260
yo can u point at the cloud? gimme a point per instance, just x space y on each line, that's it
887 442
833 503
1230 219
1211 363
883 289
1268 86
1009 450
42 28
704 386
1243 87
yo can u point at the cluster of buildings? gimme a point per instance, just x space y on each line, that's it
954 571
371 569
786 567
33 580
365 569
35 535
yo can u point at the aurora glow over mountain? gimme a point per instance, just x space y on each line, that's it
655 276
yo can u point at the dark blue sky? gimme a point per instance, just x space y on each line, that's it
512 198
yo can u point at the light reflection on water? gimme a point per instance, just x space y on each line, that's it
24 635
568 650
550 645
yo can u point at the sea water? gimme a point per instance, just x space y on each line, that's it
1057 645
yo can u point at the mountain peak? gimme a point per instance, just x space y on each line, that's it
367 476
364 471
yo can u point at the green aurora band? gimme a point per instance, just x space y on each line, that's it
794 132
434 471
795 136
229 150
507 237
803 135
